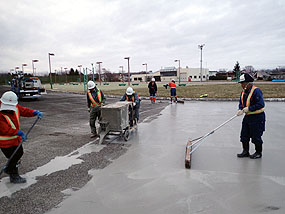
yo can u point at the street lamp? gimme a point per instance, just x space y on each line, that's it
201 47
65 74
50 78
128 58
23 65
178 60
33 61
145 71
99 63
122 72
80 66
16 68
93 78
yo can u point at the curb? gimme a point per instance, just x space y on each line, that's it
185 99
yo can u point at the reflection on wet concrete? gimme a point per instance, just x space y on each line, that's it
151 178
57 164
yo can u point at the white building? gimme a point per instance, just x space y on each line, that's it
185 74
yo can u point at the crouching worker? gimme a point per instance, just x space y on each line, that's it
10 133
172 86
95 99
132 96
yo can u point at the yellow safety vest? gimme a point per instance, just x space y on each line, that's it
248 102
10 122
93 102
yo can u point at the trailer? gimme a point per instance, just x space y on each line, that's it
27 87
117 119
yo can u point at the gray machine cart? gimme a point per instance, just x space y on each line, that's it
115 120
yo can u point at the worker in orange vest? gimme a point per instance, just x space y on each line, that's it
172 91
133 97
10 133
95 99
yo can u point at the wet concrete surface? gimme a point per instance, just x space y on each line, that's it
59 152
150 177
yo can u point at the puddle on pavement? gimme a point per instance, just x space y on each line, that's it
56 164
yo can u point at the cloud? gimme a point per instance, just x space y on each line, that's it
153 32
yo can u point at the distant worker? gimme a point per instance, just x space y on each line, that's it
152 87
253 125
133 97
172 90
95 99
10 133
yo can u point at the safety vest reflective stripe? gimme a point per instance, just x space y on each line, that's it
94 103
248 102
7 137
255 112
18 116
10 122
133 98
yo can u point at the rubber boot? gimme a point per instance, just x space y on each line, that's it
258 152
175 99
154 100
16 178
245 151
171 100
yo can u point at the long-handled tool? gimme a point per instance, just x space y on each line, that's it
8 162
192 145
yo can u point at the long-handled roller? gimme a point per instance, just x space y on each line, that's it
192 145
8 162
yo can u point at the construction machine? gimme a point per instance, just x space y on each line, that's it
27 87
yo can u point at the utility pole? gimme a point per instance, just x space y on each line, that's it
128 58
99 63
145 71
201 47
50 77
178 60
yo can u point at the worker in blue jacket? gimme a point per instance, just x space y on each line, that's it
253 125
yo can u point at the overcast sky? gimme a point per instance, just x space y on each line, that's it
155 32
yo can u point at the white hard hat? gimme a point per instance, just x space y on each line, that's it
9 101
91 84
129 91
172 80
152 79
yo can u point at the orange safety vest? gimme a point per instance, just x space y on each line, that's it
9 121
132 99
248 102
94 103
172 85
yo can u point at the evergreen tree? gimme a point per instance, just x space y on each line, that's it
236 70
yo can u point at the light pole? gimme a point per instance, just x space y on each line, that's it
23 65
80 66
201 47
55 76
128 58
93 78
99 63
178 60
145 71
65 74
50 78
17 68
33 61
122 72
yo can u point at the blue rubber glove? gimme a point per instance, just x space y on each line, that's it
22 135
40 114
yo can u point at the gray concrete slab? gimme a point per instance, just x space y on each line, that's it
151 178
